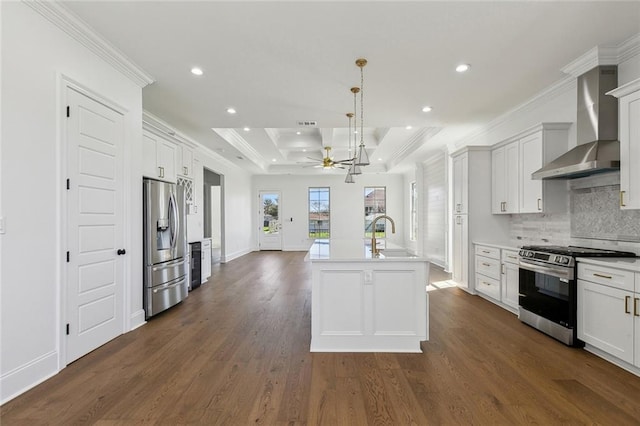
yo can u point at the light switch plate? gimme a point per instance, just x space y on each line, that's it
368 277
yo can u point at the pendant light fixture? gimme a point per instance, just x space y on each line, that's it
354 169
349 178
362 159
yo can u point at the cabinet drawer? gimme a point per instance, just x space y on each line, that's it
510 256
485 251
488 267
488 286
607 276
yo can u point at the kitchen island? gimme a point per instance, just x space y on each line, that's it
367 303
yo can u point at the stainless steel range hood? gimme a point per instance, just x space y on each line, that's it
598 148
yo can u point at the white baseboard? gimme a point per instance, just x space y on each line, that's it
137 319
27 376
232 256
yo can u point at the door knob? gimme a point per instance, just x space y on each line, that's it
121 252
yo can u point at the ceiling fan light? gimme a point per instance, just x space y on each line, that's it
363 158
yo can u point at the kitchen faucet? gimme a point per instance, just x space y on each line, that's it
374 249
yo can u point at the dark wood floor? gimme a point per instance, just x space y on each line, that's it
236 352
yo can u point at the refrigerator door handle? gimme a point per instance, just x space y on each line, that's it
175 225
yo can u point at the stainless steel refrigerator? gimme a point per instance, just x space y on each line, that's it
166 279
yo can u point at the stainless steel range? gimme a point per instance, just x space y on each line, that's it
548 289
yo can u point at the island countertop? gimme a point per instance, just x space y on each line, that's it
354 250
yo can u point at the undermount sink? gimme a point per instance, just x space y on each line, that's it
395 253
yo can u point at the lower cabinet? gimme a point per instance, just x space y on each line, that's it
609 311
497 275
206 259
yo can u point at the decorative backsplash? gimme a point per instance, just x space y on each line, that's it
594 219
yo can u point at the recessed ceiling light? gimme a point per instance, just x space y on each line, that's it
379 159
246 129
231 110
273 159
196 71
426 109
304 150
408 127
298 133
463 67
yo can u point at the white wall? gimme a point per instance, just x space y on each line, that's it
237 206
434 203
35 56
347 205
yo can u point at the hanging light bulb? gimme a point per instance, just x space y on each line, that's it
349 178
362 159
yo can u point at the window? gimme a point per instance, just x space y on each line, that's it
375 204
319 212
413 219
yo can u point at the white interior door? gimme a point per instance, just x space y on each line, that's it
95 231
269 221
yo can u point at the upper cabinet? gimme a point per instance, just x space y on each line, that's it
513 162
504 178
629 132
158 157
185 161
460 183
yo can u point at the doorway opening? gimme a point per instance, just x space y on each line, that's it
214 213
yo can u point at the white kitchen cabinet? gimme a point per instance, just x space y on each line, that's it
159 157
629 135
504 179
510 279
516 158
185 157
460 183
471 174
206 259
497 275
460 250
609 309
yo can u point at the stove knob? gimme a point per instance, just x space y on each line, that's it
565 260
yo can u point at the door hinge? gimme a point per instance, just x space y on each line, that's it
68 183
68 257
67 329
68 111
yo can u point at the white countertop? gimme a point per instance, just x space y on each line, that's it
503 246
337 250
628 263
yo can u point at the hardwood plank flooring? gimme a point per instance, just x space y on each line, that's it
236 352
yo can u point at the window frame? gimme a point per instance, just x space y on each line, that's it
309 212
368 234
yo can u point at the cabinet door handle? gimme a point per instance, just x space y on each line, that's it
539 207
486 264
458 208
185 170
512 257
502 267
636 312
622 204
626 304
486 251
602 276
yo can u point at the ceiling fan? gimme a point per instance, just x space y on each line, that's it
328 162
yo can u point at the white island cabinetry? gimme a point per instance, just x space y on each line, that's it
363 303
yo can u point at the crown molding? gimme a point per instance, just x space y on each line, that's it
162 128
415 142
629 48
599 55
238 142
65 20
625 89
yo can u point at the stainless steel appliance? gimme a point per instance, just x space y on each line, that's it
165 268
548 288
196 264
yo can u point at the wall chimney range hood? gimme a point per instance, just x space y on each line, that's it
598 148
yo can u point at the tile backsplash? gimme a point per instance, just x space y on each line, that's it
594 219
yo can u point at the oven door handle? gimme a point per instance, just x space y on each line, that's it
554 272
